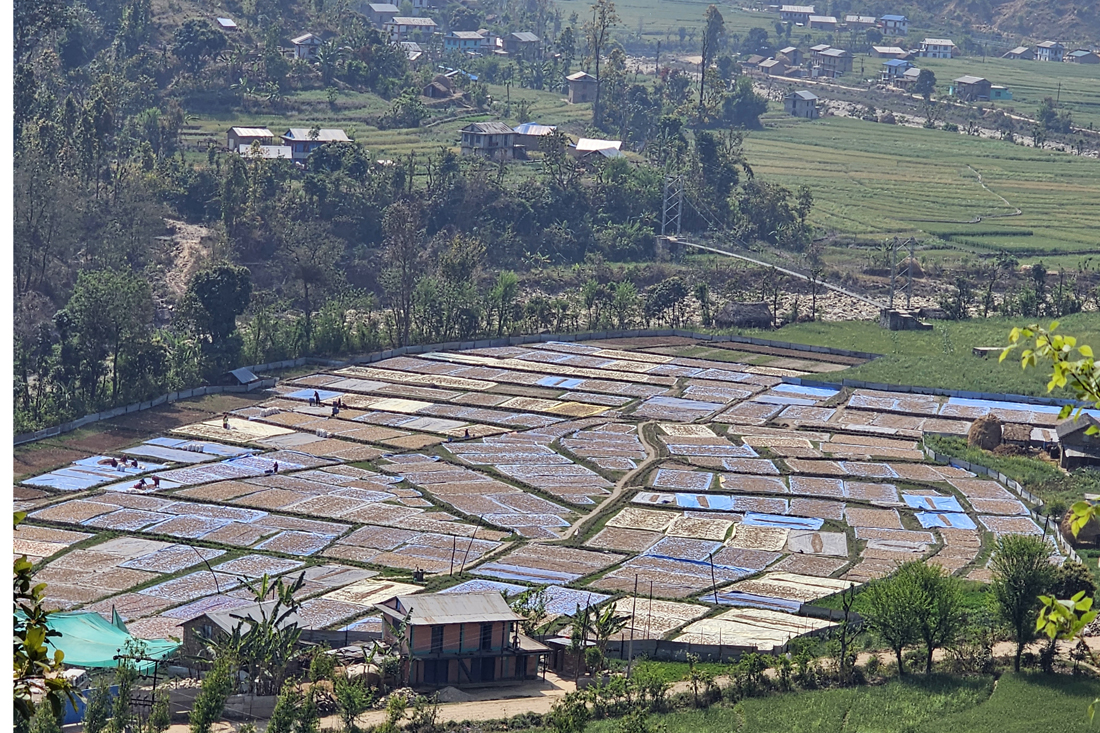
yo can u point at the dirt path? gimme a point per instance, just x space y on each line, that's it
188 252
652 454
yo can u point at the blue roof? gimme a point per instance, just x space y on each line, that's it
892 17
898 62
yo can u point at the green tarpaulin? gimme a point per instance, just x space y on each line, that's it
89 640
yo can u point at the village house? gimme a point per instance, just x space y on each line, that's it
220 624
303 143
401 28
889 52
463 42
823 22
860 22
523 45
796 13
245 136
459 639
582 87
999 93
801 104
936 48
971 89
753 61
530 134
1077 447
227 24
894 25
305 46
833 62
1049 51
379 13
894 69
773 67
1082 56
910 76
791 54
492 140
1020 53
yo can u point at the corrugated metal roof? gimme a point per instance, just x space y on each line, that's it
245 375
525 37
896 62
251 132
834 52
325 136
488 128
466 35
579 76
450 608
822 19
895 18
588 143
808 96
229 618
938 42
531 128
969 80
384 8
807 9
403 20
307 38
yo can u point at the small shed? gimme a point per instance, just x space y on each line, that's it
744 315
1083 56
245 136
439 88
1020 53
582 87
1078 448
227 24
379 13
244 375
305 46
586 145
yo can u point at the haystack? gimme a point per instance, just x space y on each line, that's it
985 433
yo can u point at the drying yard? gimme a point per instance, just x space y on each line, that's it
712 499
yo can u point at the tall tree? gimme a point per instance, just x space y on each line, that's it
1022 571
112 312
402 258
713 31
890 611
938 612
310 255
214 298
598 30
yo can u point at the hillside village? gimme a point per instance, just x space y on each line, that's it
557 366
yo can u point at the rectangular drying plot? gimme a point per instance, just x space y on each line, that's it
952 520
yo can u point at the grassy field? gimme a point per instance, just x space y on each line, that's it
1013 704
872 180
1030 82
938 358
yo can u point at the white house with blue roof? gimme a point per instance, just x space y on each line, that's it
894 25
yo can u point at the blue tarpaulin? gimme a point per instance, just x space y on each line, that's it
936 503
754 519
951 520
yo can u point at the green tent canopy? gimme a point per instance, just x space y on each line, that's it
89 640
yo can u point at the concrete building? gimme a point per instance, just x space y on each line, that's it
937 48
833 62
459 639
1049 51
401 28
522 45
860 22
894 25
303 143
463 42
490 139
823 23
380 13
801 104
582 87
796 13
894 69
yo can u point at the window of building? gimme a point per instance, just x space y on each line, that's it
437 639
486 636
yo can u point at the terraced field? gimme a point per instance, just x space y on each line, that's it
727 491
